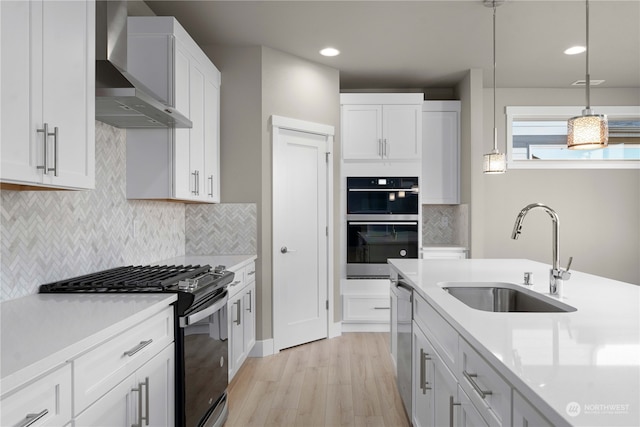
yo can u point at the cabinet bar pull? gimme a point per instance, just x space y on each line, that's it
137 348
238 314
32 418
195 183
54 169
146 405
211 181
382 308
451 412
45 130
423 371
384 148
476 387
251 273
250 304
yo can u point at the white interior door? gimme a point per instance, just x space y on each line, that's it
301 232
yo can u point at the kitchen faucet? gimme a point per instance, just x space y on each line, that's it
556 275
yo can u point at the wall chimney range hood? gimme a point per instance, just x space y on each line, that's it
121 100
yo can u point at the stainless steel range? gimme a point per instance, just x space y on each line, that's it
201 329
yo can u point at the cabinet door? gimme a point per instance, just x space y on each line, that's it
445 389
21 145
401 128
423 380
156 380
467 415
440 157
115 408
68 87
212 141
249 319
236 334
362 132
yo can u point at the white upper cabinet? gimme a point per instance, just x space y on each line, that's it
381 126
180 164
48 93
440 152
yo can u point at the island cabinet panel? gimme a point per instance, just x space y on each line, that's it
48 94
45 401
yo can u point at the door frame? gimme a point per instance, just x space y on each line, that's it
327 131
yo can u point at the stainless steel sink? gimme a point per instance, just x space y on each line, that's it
504 298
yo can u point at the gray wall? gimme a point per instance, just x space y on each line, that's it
259 82
599 210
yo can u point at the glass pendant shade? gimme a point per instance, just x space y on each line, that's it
494 163
587 132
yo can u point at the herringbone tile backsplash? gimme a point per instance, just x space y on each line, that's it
53 235
221 229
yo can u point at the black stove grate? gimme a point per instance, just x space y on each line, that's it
148 278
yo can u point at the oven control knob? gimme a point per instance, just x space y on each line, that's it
403 252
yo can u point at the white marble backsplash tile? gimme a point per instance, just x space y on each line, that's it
445 225
225 229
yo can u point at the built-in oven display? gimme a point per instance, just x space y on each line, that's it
382 196
371 243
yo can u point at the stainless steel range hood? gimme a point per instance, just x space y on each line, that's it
121 100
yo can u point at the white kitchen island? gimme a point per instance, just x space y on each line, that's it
574 368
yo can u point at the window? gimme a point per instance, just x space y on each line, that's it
537 138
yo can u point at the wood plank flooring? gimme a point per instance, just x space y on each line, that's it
343 381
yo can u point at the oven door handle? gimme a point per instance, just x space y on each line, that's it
204 313
382 223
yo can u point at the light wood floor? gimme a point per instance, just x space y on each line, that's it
343 381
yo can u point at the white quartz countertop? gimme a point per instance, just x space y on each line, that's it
40 332
231 262
589 357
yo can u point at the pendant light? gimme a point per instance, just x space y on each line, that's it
495 161
588 131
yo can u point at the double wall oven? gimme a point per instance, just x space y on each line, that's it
200 329
382 223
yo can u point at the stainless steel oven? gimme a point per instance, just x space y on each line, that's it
382 223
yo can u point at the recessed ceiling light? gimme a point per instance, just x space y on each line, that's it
574 50
329 51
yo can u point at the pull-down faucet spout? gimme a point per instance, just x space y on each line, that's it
556 275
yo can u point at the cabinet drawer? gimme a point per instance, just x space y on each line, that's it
250 273
444 337
366 308
49 396
238 282
488 391
99 370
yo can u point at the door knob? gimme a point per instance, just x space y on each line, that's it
285 250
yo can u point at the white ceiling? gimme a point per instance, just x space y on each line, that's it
418 44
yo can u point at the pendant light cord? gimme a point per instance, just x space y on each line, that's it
587 77
495 129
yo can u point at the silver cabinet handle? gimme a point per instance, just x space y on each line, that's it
384 149
45 131
380 153
476 387
32 418
423 371
238 313
211 182
251 273
451 412
250 303
54 169
197 183
137 348
146 405
234 283
382 308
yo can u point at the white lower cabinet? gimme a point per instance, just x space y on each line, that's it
525 415
453 385
45 401
366 305
146 396
241 315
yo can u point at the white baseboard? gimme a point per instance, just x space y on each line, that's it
335 329
262 348
365 327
